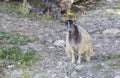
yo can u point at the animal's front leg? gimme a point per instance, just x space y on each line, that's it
87 56
79 57
72 57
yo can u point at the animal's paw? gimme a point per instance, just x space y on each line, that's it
78 62
68 55
87 59
73 61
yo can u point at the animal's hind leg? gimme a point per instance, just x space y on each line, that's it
70 53
87 56
72 56
92 52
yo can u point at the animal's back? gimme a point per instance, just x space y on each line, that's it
86 44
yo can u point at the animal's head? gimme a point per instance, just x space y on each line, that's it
74 33
70 26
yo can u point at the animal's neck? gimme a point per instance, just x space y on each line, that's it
75 37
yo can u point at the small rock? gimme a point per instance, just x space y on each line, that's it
19 63
51 47
50 41
118 72
37 76
102 64
67 77
109 0
98 45
74 73
59 43
1 76
118 34
112 31
59 63
118 76
79 67
10 66
16 73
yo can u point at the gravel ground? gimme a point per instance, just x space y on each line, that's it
96 20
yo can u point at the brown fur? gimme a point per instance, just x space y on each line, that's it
76 36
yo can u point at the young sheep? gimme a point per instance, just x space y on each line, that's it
78 42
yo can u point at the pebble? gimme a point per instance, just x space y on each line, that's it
59 43
10 66
112 31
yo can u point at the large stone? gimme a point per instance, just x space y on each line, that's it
112 31
59 43
1 75
118 76
10 66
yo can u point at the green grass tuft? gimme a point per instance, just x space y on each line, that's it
10 52
46 17
111 56
15 38
115 65
16 55
43 42
14 8
10 48
99 67
117 6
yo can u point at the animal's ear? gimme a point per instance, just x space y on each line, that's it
69 21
